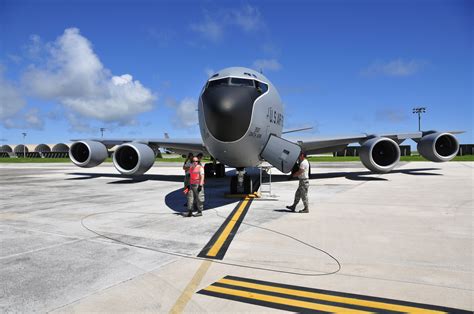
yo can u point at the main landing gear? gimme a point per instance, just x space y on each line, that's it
214 170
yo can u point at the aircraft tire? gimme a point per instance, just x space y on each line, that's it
233 185
247 184
220 170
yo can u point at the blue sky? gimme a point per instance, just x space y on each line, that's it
137 67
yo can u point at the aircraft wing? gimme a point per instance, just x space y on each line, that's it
319 145
180 146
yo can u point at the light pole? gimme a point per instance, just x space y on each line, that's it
419 111
24 144
102 132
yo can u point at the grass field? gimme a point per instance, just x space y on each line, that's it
178 159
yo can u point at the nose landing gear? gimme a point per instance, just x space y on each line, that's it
241 183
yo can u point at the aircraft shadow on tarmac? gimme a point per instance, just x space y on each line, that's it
125 179
362 175
216 188
175 200
355 176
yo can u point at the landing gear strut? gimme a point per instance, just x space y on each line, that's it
241 183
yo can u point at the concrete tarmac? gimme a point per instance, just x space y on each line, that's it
90 240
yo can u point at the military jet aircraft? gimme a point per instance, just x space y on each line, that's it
241 123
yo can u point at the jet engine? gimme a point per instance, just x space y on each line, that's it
380 154
438 147
133 158
87 154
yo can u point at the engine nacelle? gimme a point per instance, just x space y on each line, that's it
438 147
133 158
380 154
87 154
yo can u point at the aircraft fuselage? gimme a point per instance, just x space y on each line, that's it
238 110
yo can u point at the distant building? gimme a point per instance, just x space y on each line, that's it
466 149
59 150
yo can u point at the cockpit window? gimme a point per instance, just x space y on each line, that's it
262 87
228 110
224 81
235 81
241 82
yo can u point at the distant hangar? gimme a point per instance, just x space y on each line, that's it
59 150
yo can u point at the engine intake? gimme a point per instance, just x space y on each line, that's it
380 154
133 158
438 147
87 154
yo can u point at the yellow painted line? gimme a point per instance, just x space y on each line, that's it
223 236
331 298
192 286
284 301
241 195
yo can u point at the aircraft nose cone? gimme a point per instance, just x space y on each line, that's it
228 111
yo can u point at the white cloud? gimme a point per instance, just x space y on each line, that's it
14 58
74 76
11 101
12 105
33 119
79 125
209 29
267 65
186 115
30 119
247 17
35 47
397 67
212 28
